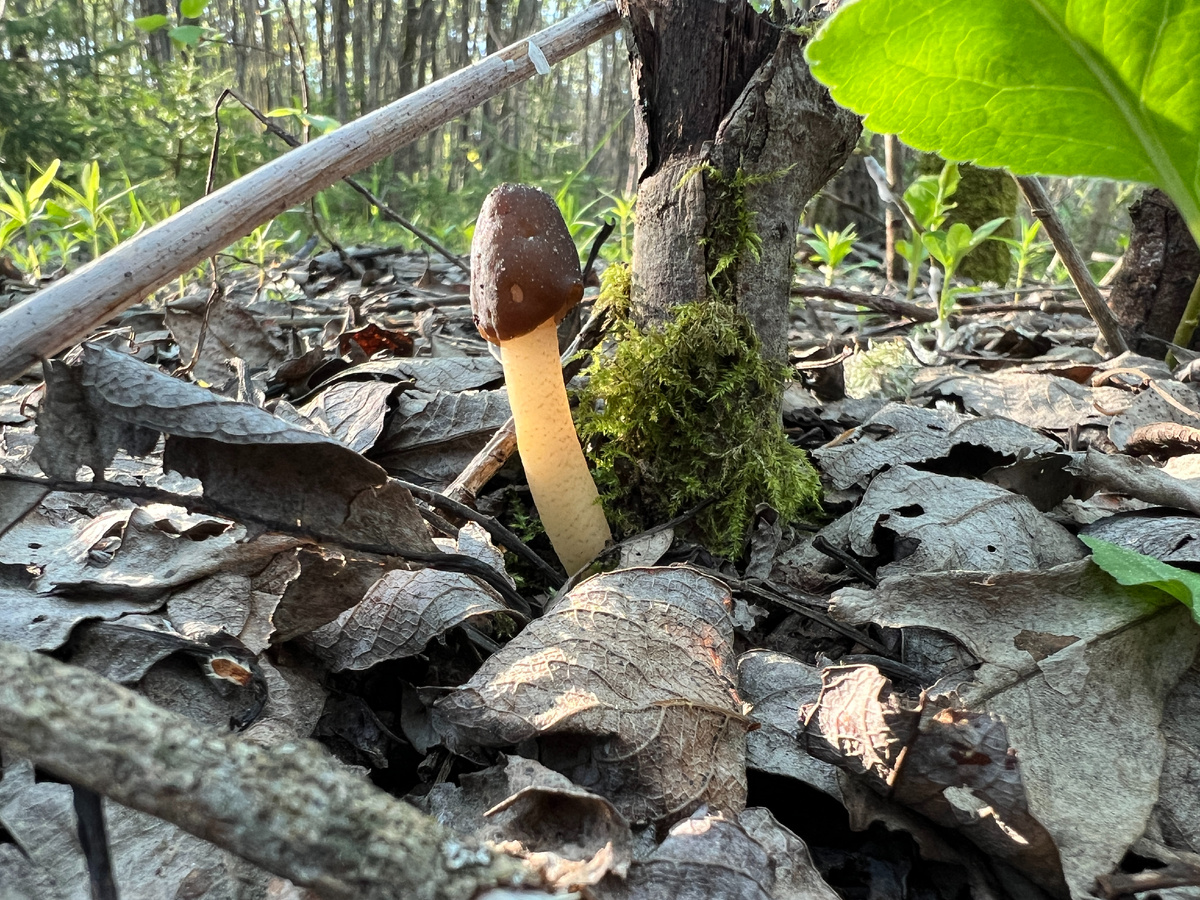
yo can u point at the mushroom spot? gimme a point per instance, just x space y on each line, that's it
516 293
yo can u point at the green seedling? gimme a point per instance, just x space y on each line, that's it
25 210
1111 95
1024 249
928 199
88 214
623 211
830 249
181 34
950 248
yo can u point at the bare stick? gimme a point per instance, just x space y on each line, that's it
888 305
487 462
892 229
67 311
1106 321
386 211
291 809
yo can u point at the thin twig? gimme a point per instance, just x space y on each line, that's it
888 305
499 533
1106 321
449 562
388 213
772 594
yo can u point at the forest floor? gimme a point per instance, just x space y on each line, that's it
935 692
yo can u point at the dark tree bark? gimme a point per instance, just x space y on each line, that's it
719 85
158 43
1160 269
341 33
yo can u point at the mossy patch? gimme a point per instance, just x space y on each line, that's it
688 413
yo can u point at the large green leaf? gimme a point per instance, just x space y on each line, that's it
1131 568
1052 87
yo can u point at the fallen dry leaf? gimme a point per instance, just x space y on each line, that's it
250 462
953 766
628 684
776 686
939 523
1078 668
900 434
569 835
748 857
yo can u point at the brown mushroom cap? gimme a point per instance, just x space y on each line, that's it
524 267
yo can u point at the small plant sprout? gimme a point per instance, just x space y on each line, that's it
524 278
87 213
1105 96
830 249
25 209
949 248
1024 249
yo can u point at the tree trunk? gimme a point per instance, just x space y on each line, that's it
341 32
723 94
1159 272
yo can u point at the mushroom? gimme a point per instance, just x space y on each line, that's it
524 278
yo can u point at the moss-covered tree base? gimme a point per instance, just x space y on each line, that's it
686 413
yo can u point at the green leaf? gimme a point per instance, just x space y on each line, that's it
1131 568
150 23
188 35
948 180
191 9
937 245
1054 87
58 211
958 240
323 124
34 194
89 177
985 231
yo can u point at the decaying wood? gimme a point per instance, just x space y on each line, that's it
291 809
721 89
1106 321
67 311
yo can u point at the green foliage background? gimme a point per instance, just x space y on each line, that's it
689 413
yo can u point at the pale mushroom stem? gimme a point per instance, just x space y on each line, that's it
558 475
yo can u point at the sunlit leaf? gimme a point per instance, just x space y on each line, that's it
191 9
1131 568
188 35
1057 87
34 194
150 23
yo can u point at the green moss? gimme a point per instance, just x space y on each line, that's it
730 236
616 290
689 413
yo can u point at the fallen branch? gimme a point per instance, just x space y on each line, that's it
68 310
291 809
888 305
